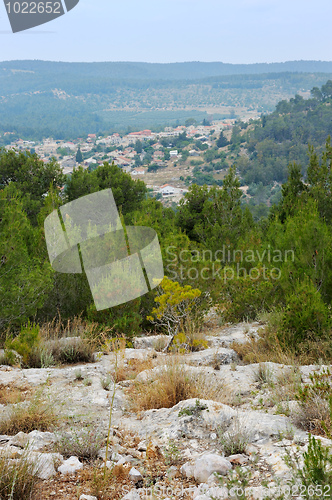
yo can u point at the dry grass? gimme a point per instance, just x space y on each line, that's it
172 383
17 479
269 348
36 414
132 369
312 415
235 439
12 394
263 375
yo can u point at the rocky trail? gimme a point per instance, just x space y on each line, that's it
166 453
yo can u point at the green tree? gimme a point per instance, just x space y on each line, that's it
222 141
32 177
79 156
25 278
128 193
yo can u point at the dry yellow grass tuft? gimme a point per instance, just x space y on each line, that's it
12 394
36 414
174 382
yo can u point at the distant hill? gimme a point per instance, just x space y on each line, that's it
171 71
68 100
282 137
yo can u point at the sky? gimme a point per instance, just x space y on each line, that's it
231 31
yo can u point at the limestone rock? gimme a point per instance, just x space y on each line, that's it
70 466
212 357
135 475
209 463
132 495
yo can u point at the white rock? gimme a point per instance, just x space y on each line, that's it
70 466
142 446
132 495
187 470
21 440
88 497
208 464
135 475
44 464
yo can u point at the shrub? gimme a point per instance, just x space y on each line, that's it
235 439
305 312
244 297
83 444
72 350
180 309
316 473
316 404
26 342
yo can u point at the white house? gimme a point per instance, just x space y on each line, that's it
173 153
138 171
167 190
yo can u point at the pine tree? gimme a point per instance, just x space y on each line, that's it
79 156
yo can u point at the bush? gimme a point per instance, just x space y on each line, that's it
235 440
26 342
316 404
305 312
83 444
243 298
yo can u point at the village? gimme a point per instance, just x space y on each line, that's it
166 170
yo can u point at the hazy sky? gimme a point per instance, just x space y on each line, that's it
235 31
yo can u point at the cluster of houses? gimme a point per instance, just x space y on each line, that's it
95 150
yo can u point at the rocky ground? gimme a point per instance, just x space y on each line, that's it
173 452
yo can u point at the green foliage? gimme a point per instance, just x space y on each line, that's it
282 138
79 156
305 313
178 306
128 194
25 278
25 342
317 464
31 176
244 296
193 410
125 318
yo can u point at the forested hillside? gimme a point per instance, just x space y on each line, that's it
283 136
67 100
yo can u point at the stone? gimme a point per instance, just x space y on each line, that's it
44 464
132 495
135 475
87 497
238 459
209 463
212 357
142 446
21 440
70 466
172 472
187 470
151 342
